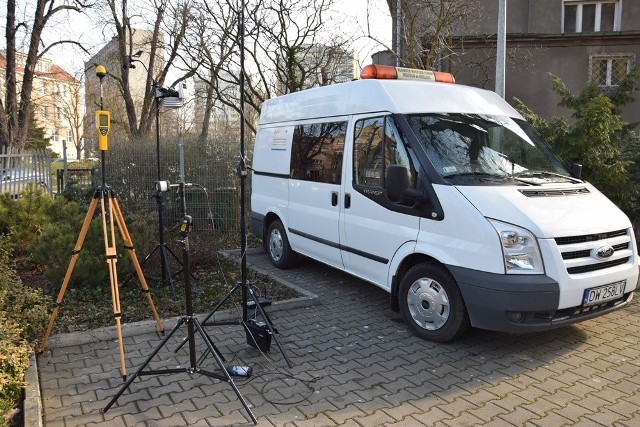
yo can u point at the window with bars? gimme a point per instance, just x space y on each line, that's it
609 70
591 16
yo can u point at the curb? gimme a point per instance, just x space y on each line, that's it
32 399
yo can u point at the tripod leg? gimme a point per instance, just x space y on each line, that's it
72 263
128 244
112 258
144 365
215 309
267 320
212 349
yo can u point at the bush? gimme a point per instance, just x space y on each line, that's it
23 219
54 245
23 315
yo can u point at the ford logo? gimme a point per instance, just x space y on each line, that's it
604 252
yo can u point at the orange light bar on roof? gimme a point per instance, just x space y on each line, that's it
388 72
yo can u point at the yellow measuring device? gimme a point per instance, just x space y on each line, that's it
103 122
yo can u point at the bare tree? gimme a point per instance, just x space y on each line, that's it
426 29
71 103
16 106
168 23
279 36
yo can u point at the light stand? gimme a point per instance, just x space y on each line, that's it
192 323
159 93
244 286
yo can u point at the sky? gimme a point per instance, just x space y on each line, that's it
352 15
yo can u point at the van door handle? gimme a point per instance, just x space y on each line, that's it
334 198
347 201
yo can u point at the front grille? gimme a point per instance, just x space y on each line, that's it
589 237
580 253
587 252
598 266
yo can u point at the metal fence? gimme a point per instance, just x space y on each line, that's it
22 168
213 201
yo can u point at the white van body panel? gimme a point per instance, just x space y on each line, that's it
273 149
548 217
310 213
463 238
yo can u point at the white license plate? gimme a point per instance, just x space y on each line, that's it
603 293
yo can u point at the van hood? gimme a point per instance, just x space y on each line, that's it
549 211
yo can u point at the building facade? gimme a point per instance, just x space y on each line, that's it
57 101
112 99
581 41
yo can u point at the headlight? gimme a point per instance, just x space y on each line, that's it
520 249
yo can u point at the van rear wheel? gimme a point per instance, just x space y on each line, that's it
278 248
431 303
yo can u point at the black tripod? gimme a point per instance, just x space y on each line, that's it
244 286
162 246
193 325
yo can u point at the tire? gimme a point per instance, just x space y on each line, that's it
278 248
431 303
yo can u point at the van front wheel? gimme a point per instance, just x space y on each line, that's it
278 249
431 303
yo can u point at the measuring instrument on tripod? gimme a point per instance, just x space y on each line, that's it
110 214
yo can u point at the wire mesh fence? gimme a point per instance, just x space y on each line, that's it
213 199
20 168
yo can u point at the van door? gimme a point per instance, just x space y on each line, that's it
372 226
314 190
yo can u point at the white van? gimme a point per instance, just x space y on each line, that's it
444 196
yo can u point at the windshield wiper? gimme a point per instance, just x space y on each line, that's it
546 173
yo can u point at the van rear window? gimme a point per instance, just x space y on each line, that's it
316 152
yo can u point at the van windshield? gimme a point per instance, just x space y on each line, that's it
475 149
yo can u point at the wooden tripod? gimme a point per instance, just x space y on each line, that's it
110 210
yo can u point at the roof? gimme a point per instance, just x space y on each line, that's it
55 71
394 96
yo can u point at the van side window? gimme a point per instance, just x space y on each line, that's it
377 145
316 152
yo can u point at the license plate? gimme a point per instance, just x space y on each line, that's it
603 293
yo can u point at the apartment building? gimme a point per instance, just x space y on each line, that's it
581 41
108 56
56 97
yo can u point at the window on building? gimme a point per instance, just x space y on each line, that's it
591 16
44 111
59 113
608 70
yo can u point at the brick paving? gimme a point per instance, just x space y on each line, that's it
355 364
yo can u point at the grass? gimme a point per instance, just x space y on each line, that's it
215 275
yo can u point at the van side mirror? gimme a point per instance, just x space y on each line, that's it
576 170
397 185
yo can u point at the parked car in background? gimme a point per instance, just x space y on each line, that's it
15 180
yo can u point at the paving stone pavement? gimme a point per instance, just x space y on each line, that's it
356 364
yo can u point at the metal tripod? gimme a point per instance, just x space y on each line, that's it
193 325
